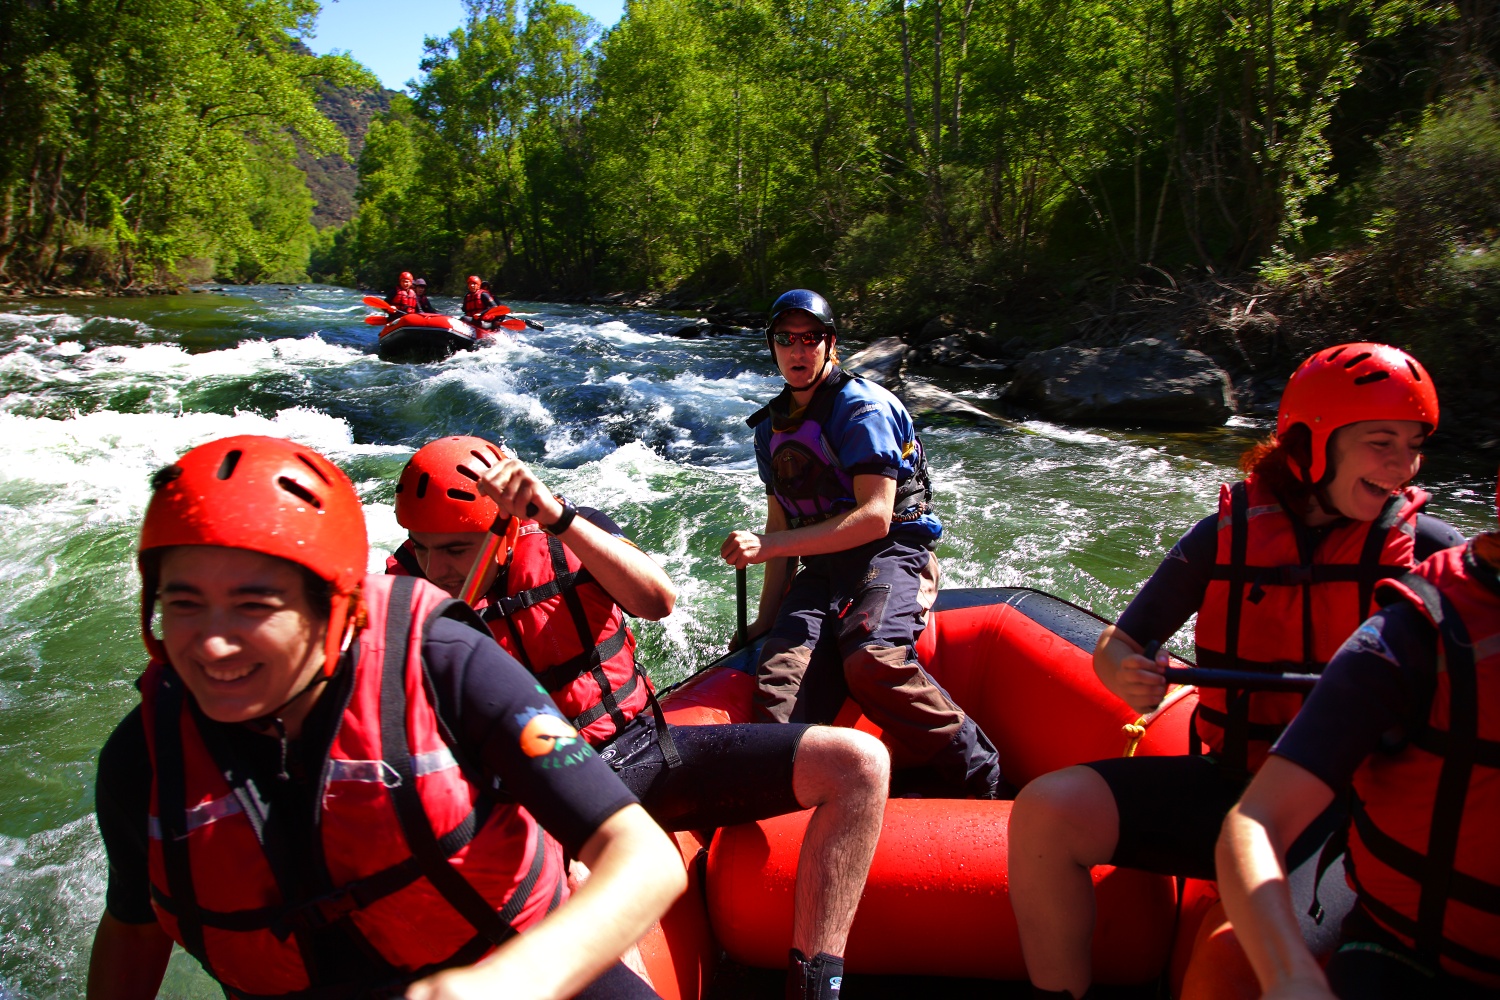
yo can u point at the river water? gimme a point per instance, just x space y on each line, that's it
615 412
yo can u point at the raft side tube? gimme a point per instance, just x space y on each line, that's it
936 902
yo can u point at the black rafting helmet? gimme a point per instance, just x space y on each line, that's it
808 302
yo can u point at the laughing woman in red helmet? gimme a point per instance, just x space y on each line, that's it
1408 715
305 797
1278 577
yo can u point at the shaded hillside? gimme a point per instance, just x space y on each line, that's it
332 179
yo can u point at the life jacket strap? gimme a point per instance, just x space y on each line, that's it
504 607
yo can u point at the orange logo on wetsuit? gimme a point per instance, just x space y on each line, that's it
545 733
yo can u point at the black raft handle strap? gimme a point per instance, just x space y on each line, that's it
423 842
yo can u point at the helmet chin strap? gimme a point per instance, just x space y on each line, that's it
273 720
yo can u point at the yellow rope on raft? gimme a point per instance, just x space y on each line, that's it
1135 731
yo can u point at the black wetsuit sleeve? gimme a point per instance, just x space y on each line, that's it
1434 535
487 699
1377 688
601 520
122 797
1177 588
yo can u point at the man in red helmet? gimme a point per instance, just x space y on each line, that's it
1278 576
557 601
405 299
477 301
304 799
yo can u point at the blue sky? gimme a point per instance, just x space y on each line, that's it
386 35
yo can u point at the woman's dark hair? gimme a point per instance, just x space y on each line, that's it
1271 462
318 590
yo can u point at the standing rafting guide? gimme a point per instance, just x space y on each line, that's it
847 495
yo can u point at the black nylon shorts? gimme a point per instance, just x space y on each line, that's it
1171 809
729 774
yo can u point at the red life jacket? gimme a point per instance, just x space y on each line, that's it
546 610
1278 603
478 303
1422 851
406 298
427 869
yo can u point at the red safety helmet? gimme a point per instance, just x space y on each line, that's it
473 279
436 491
1349 383
267 495
405 276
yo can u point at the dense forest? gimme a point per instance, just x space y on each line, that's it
1018 164
152 141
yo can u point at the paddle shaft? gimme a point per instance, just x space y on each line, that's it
1242 680
504 531
740 601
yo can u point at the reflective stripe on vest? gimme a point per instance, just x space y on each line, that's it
590 668
1422 851
1277 602
395 808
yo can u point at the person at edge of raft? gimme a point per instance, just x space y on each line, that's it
405 299
477 302
1279 577
1408 715
848 494
305 799
424 304
558 601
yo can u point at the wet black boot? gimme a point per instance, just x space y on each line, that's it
816 978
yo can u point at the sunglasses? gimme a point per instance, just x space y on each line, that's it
788 339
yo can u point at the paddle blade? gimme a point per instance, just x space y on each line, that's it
513 324
495 313
536 326
376 302
377 320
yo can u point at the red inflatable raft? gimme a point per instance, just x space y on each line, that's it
422 337
937 898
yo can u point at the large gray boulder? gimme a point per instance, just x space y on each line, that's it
880 362
1144 381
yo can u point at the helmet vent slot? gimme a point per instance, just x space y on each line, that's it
1372 377
315 470
1415 372
226 467
464 470
422 482
1356 360
1333 355
165 475
457 494
299 491
483 458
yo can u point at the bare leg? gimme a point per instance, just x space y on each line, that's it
843 775
1062 825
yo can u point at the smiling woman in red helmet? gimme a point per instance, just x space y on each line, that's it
1278 577
1408 715
304 799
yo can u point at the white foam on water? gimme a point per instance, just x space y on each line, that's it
1057 433
616 332
51 896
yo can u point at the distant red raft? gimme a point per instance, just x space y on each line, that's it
419 337
937 900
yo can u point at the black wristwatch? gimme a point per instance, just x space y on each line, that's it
564 522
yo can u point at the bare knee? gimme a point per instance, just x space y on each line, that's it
835 762
1072 808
